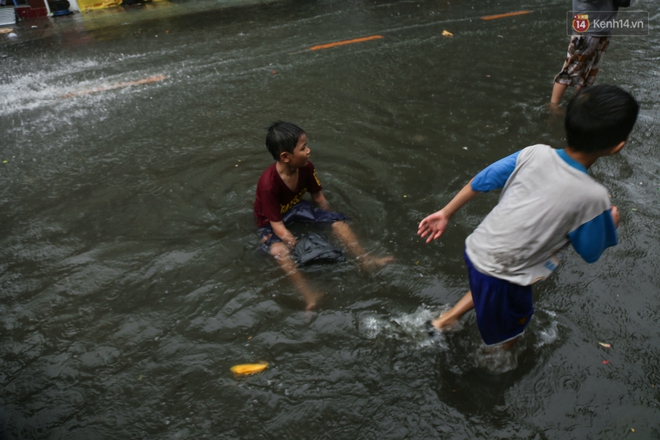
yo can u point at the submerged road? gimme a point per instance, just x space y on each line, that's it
130 277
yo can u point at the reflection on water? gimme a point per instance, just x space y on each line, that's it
130 278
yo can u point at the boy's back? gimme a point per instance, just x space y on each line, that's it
546 197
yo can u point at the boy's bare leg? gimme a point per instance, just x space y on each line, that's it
282 255
508 344
557 93
348 238
451 317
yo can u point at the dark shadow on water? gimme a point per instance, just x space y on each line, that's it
477 380
3 426
477 392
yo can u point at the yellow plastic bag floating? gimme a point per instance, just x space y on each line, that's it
245 369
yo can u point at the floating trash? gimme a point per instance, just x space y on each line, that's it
245 369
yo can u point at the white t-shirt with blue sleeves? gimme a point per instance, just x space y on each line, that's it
548 200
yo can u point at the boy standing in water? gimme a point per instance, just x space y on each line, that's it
278 202
548 201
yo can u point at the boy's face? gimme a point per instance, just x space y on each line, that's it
300 155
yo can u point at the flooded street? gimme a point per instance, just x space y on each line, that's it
130 275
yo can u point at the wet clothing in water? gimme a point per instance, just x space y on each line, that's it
548 200
276 202
313 248
274 198
303 211
503 309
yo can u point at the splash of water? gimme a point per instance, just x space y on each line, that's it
410 327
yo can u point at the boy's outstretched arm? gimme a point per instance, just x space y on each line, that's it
435 224
492 177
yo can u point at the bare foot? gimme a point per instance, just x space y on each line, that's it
450 320
445 322
312 299
370 263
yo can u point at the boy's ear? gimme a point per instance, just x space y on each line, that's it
617 148
284 156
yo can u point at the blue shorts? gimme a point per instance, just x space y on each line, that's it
503 309
302 211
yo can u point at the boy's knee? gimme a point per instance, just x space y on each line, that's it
279 250
339 225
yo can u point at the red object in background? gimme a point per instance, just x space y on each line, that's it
27 12
36 9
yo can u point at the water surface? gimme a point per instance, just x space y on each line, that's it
130 280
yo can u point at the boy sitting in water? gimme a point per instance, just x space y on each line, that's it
278 202
548 200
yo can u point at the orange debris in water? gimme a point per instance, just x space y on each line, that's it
341 43
508 14
244 369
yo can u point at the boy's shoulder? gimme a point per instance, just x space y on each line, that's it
271 180
554 171
270 169
538 149
535 155
268 176
542 156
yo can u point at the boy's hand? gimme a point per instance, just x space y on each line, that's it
615 216
433 225
290 241
284 234
320 200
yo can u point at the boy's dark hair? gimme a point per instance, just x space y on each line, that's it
599 118
282 136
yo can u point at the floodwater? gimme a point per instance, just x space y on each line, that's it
130 280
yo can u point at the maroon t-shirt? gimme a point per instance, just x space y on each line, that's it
274 198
